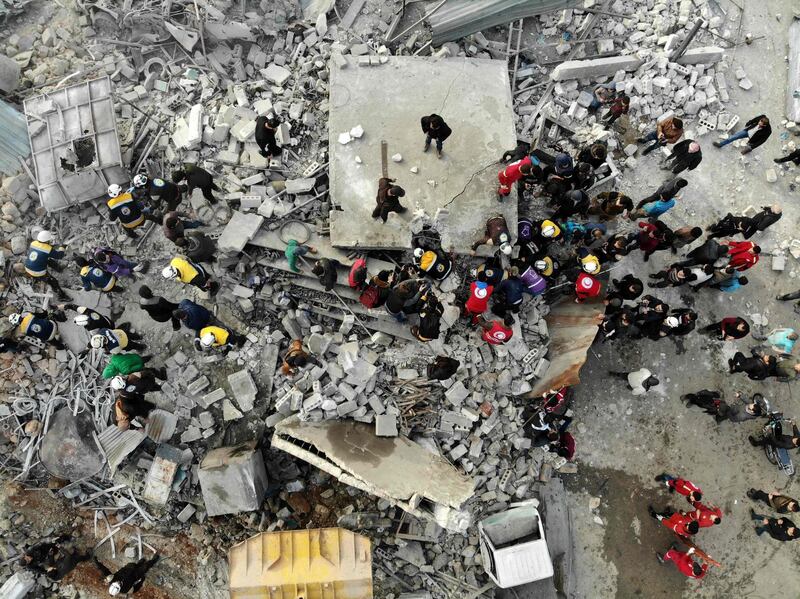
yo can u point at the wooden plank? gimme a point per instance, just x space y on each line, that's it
384 159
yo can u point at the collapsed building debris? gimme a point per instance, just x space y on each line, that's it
793 90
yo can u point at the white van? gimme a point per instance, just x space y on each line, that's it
513 547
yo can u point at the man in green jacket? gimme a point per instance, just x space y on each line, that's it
294 250
125 364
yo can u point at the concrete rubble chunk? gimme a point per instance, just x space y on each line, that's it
239 231
276 74
243 388
229 411
597 67
386 425
233 479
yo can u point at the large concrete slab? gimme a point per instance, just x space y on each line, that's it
388 101
793 101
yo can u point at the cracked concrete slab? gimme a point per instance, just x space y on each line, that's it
472 95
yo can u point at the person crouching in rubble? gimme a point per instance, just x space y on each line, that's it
42 256
129 405
113 262
129 578
197 177
496 234
116 341
430 318
434 263
296 357
94 277
214 337
39 326
123 207
189 273
496 332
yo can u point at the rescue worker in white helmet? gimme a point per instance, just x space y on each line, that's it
41 256
590 264
39 326
94 277
435 263
547 267
216 337
190 273
496 234
129 578
163 195
116 341
90 319
124 207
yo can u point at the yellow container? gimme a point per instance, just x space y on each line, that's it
321 563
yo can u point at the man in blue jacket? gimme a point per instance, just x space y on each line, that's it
192 315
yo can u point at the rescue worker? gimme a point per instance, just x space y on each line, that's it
548 268
406 298
508 295
116 341
89 319
681 486
497 332
588 261
430 318
113 262
435 263
41 256
706 516
214 337
192 315
586 287
128 364
51 559
496 234
197 177
513 173
129 578
266 126
388 199
124 207
742 254
681 523
535 284
136 385
684 562
189 273
39 326
442 368
492 272
478 301
434 128
157 307
128 408
174 224
158 191
94 277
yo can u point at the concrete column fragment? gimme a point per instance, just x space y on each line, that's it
597 67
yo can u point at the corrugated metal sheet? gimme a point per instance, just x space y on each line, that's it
320 563
117 444
161 425
459 18
14 142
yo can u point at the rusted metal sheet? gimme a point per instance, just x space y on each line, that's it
573 328
158 483
319 563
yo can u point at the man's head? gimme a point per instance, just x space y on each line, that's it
81 261
435 121
45 237
508 320
180 314
776 209
763 121
697 569
681 183
715 519
178 176
693 527
741 326
171 222
114 190
743 280
526 169
98 341
650 381
396 191
694 147
696 232
793 506
756 249
695 496
272 122
792 336
318 268
599 151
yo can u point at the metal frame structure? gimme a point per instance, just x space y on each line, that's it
59 120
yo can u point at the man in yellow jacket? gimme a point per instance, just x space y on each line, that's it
191 273
214 337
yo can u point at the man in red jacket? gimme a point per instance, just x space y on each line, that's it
684 562
743 254
680 523
478 300
586 287
513 173
497 332
682 486
706 516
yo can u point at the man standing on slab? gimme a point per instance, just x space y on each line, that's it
434 127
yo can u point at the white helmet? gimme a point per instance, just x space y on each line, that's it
418 252
82 320
45 237
169 272
591 267
140 180
118 383
114 589
14 318
114 190
207 340
540 265
672 322
548 231
98 341
506 248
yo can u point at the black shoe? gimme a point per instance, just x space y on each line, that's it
751 493
717 144
659 557
753 440
661 478
651 511
753 514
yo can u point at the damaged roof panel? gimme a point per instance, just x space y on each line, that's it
73 135
14 143
396 468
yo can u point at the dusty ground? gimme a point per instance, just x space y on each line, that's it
623 441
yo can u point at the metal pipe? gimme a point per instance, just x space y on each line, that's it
685 44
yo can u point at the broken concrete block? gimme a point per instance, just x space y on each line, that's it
233 479
598 67
239 231
262 107
229 411
386 425
276 74
344 138
356 132
243 389
243 129
9 74
296 186
397 157
745 83
772 175
705 55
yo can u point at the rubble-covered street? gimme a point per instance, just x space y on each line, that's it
226 370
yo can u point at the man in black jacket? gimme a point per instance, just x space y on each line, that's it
434 127
793 157
325 270
708 253
779 440
685 155
197 177
51 559
780 529
757 130
265 136
158 308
